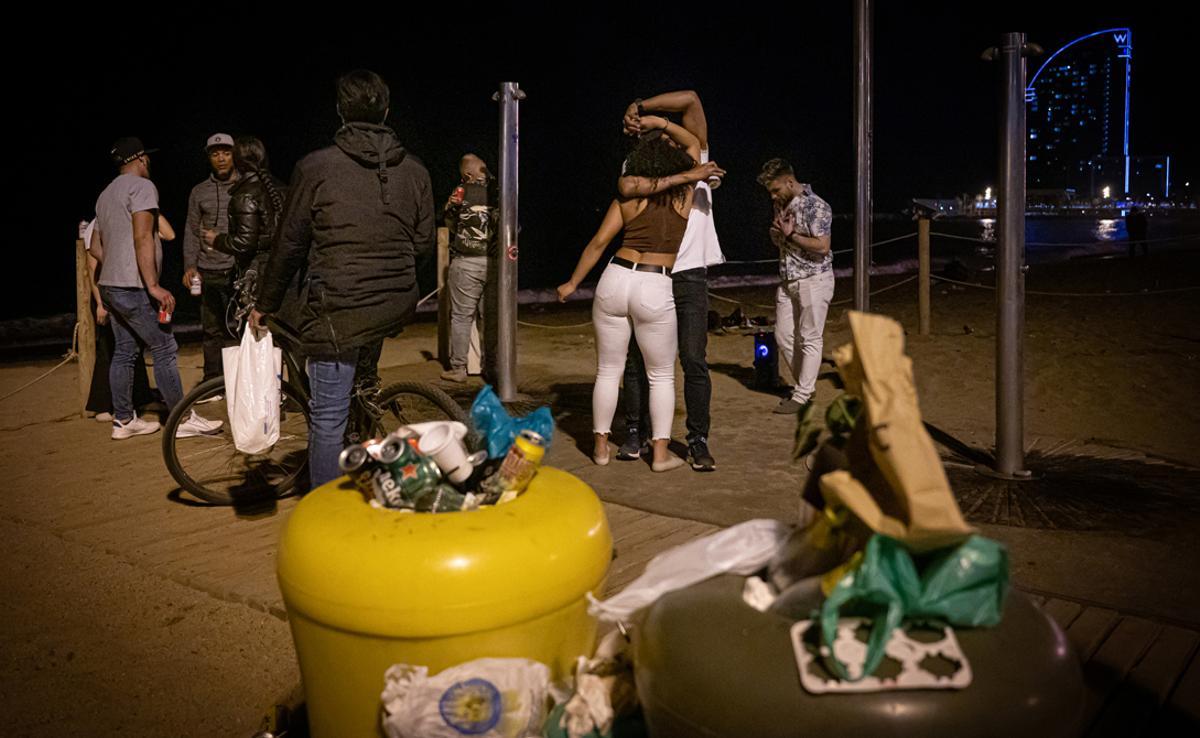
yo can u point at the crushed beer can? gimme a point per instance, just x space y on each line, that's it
372 478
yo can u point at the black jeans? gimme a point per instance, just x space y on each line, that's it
690 288
214 303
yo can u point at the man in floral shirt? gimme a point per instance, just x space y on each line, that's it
800 231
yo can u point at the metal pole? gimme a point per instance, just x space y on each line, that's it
509 97
443 295
1010 257
1128 54
862 152
923 311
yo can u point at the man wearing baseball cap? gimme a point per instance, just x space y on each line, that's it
208 208
130 264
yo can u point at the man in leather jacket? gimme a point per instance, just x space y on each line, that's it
255 209
358 215
255 206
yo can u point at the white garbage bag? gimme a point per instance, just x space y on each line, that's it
253 372
742 549
487 698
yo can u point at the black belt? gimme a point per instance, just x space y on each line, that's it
639 267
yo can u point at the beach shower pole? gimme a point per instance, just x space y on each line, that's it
862 153
509 97
1010 258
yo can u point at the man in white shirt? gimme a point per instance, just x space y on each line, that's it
130 265
699 250
801 231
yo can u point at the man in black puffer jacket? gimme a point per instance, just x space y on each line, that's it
358 215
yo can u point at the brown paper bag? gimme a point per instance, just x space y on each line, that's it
896 484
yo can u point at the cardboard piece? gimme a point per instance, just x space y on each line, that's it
896 484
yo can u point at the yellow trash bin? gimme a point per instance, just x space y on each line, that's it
366 588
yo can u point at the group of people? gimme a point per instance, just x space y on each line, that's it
241 194
651 303
335 255
336 252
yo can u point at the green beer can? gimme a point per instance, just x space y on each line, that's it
413 473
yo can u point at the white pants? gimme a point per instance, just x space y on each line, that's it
800 309
644 303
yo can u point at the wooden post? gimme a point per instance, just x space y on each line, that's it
443 295
923 271
85 321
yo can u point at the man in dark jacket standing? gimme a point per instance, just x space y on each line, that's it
358 215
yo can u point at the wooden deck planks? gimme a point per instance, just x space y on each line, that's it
1063 612
1088 631
1105 672
1148 684
1181 715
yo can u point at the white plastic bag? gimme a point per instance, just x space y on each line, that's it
741 549
604 690
487 698
253 374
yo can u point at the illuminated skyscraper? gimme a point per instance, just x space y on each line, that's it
1078 114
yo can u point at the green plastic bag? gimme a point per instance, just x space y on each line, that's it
964 585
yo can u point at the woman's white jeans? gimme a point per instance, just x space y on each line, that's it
644 303
800 309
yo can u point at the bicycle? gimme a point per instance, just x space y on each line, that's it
211 467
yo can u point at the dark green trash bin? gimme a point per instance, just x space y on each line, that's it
710 665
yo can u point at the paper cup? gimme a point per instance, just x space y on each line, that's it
448 451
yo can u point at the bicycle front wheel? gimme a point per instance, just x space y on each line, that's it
213 469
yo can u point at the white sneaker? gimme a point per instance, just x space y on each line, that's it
198 426
135 427
213 398
104 417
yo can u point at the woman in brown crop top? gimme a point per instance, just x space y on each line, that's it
634 294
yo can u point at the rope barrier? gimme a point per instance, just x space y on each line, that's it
1147 241
553 327
1169 291
425 299
881 289
739 302
839 302
72 354
884 242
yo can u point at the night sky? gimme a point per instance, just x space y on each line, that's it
775 82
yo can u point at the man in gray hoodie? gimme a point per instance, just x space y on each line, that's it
208 208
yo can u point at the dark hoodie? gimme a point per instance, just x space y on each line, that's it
358 214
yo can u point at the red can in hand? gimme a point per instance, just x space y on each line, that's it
459 193
163 315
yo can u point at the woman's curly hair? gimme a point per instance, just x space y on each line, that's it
654 157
